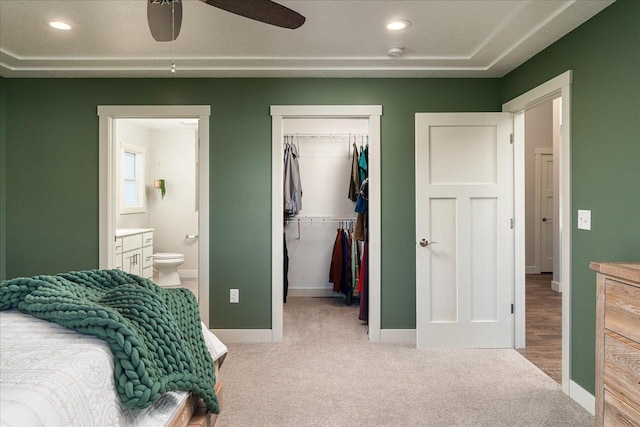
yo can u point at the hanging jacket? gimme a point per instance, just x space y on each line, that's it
354 179
292 184
286 270
364 285
287 197
335 270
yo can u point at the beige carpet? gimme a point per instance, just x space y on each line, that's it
327 373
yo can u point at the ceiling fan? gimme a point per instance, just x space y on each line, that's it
165 16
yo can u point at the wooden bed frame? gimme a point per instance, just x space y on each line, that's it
194 412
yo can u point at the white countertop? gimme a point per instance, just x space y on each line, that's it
120 232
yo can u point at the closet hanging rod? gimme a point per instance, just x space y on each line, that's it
313 221
321 218
349 222
327 135
322 221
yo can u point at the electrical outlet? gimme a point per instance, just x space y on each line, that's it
234 296
584 220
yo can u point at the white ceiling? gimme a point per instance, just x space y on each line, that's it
340 38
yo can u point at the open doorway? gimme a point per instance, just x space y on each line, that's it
197 240
558 87
325 235
543 300
156 198
370 113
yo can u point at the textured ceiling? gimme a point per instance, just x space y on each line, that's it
110 38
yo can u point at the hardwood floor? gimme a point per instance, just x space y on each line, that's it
544 325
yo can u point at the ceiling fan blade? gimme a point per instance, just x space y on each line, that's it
165 19
265 11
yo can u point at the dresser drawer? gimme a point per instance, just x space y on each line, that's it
618 413
622 309
622 368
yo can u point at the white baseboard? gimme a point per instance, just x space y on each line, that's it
531 269
583 397
556 286
243 335
188 273
311 292
398 335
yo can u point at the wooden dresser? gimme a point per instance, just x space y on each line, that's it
617 344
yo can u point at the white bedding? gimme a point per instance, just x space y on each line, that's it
53 376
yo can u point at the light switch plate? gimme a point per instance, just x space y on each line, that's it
584 220
234 296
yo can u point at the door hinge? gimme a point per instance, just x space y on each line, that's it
511 223
511 138
511 308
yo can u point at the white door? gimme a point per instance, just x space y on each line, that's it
464 241
545 203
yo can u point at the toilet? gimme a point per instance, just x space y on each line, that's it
166 264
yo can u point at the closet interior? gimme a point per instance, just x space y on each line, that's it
325 209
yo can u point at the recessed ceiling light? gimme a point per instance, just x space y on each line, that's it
58 25
398 24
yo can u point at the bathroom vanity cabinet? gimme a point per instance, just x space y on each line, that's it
134 251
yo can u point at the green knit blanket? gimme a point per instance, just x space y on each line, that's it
154 333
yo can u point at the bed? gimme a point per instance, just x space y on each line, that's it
51 375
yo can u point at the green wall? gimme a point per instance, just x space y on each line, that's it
604 55
53 177
3 186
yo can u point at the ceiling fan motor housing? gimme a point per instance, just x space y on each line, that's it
165 19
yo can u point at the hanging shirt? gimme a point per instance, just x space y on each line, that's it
359 233
362 165
346 263
361 203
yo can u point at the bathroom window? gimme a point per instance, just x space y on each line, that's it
132 188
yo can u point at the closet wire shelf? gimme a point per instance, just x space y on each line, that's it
359 139
342 221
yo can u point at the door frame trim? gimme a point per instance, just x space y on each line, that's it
278 114
559 86
106 171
